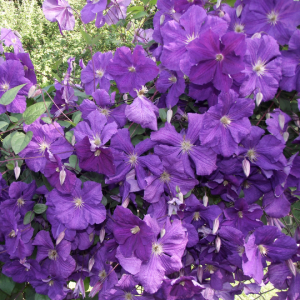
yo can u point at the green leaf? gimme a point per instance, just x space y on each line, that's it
135 8
86 283
69 135
6 284
41 297
39 208
29 293
104 200
139 15
77 117
28 217
163 114
47 120
188 194
86 37
152 2
20 141
4 122
34 111
10 95
7 141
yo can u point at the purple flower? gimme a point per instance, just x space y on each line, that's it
131 70
276 206
60 11
56 259
10 39
116 11
92 153
267 242
11 75
166 254
132 234
290 65
262 68
93 9
96 73
278 18
81 208
227 123
186 147
183 5
216 58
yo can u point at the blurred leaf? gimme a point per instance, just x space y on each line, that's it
86 37
20 140
135 8
41 297
39 208
77 117
7 141
6 284
10 95
139 15
163 114
4 122
28 217
34 111
47 120
29 293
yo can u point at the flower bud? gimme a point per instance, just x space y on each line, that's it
180 197
31 91
239 10
17 34
91 236
216 225
126 202
79 288
292 267
96 288
281 121
218 3
256 35
297 235
285 136
17 170
169 115
62 175
259 97
162 19
246 167
102 234
218 244
221 14
268 116
125 97
60 237
91 263
73 141
205 200
162 232
128 26
200 272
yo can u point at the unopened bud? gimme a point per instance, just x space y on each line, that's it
91 263
73 140
239 10
102 234
169 115
125 97
60 237
259 97
96 288
221 14
218 244
80 287
292 267
126 202
205 200
128 26
281 121
31 91
37 92
91 236
268 116
246 167
17 170
285 136
256 35
200 272
17 34
162 233
218 3
62 176
180 197
162 19
216 225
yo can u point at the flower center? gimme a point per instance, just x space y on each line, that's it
240 250
225 120
196 216
142 91
52 254
97 141
51 282
135 230
25 68
128 296
173 79
240 214
190 38
131 69
225 182
182 283
13 40
97 153
99 73
165 177
272 17
20 202
186 146
105 112
5 87
133 159
246 184
102 274
78 203
43 147
259 68
12 234
263 250
157 249
57 169
239 27
252 155
210 268
219 57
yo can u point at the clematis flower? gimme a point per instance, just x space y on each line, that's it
262 68
61 12
56 259
272 203
227 123
11 39
131 70
185 147
93 9
92 153
81 208
183 5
